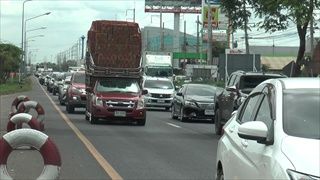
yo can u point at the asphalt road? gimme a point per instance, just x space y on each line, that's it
163 149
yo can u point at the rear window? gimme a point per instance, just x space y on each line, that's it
301 115
79 78
250 82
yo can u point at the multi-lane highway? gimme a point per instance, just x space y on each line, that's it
163 149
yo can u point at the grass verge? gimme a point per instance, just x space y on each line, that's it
12 86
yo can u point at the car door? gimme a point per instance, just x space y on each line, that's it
237 163
259 155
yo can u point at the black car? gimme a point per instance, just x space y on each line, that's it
193 102
239 85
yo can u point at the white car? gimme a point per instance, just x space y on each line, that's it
275 134
160 92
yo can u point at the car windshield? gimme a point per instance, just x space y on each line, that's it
79 78
301 115
158 84
118 85
201 90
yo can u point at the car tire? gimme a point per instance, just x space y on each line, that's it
69 108
217 122
173 116
93 120
87 117
182 118
220 175
167 108
141 122
53 92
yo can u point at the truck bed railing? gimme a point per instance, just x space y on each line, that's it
97 71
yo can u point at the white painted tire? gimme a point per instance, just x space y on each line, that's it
25 107
36 139
15 103
20 118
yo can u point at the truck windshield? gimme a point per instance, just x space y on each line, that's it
159 71
158 84
118 85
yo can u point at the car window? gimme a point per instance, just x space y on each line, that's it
201 91
249 108
264 112
231 80
301 113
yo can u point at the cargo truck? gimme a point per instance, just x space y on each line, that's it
158 64
114 73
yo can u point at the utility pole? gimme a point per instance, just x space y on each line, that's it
198 42
209 51
82 48
311 30
161 37
184 37
246 29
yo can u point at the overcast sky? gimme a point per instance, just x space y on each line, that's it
71 19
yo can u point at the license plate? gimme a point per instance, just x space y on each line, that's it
161 101
209 112
120 113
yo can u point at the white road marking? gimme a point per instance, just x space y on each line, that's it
170 124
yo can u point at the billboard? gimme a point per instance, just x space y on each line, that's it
214 16
173 6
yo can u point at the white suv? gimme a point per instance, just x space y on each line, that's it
160 92
275 134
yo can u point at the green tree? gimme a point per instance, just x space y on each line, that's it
277 14
9 60
238 15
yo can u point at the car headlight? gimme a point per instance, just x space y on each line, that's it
294 175
190 103
140 103
98 101
147 95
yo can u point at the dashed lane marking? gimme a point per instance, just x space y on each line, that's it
170 124
95 153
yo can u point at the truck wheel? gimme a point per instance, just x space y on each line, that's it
217 123
69 108
141 122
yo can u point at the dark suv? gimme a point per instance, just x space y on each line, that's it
239 85
76 92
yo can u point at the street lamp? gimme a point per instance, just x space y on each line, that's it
25 34
22 38
36 29
26 46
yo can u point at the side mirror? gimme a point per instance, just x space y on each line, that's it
144 92
232 88
89 89
179 94
253 130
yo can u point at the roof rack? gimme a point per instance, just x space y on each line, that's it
97 71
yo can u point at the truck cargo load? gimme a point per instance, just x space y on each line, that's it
114 44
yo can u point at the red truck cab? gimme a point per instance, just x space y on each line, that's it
116 99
